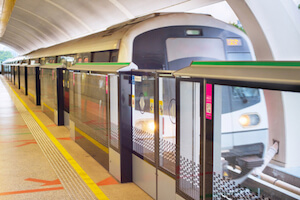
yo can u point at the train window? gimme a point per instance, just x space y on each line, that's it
192 49
42 60
34 61
86 60
245 93
60 59
50 60
103 56
82 56
167 124
114 56
236 98
239 56
67 58
189 141
253 156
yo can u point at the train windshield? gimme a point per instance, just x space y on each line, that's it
237 98
182 51
245 94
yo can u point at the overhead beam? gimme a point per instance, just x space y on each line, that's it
7 9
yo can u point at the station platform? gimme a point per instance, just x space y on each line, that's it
39 160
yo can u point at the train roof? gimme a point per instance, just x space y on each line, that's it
14 60
110 38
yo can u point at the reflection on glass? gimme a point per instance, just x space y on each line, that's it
22 79
50 60
192 49
88 104
189 166
12 73
31 81
49 92
250 125
114 112
143 116
17 76
167 124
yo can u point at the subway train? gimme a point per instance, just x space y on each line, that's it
160 41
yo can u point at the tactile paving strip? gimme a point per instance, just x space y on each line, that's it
73 184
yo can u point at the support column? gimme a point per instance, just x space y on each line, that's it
272 25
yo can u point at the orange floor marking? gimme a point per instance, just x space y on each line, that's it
31 191
26 143
46 183
51 125
108 181
68 138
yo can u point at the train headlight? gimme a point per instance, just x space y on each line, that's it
151 126
249 120
146 125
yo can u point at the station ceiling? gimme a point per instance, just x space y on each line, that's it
27 25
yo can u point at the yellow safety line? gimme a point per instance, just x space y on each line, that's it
92 140
90 183
48 107
31 95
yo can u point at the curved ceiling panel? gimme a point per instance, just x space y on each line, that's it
36 24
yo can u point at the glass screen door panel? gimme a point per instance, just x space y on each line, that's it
167 124
143 116
250 126
189 144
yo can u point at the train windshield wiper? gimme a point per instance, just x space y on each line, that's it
242 96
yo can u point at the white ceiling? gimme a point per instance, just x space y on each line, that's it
35 24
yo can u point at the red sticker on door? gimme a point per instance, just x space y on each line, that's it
208 105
